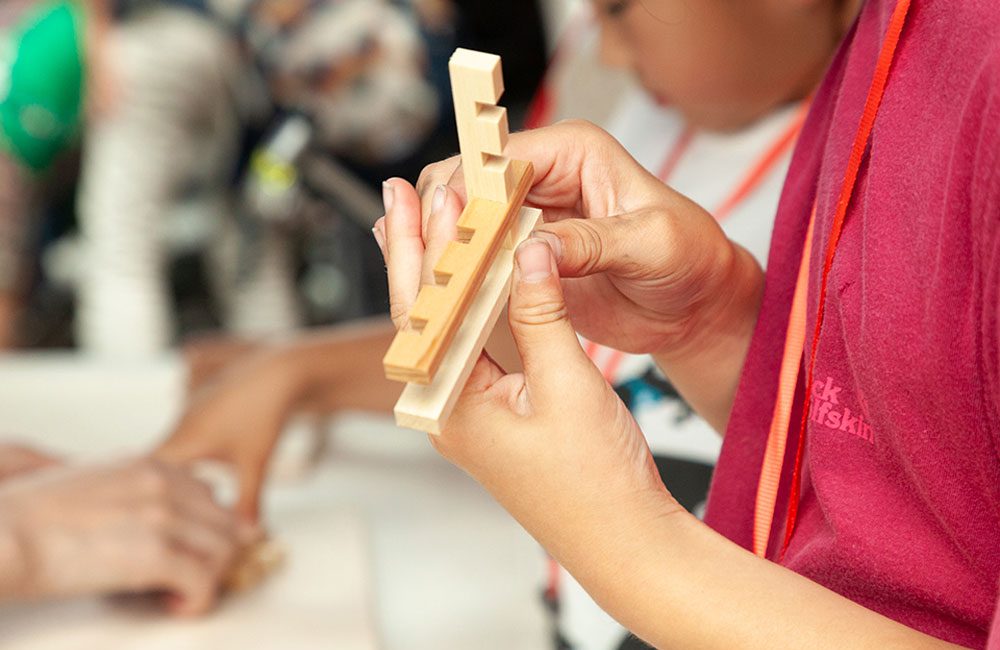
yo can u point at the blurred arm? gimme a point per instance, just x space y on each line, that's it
238 415
341 368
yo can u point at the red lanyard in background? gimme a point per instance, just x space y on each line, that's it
757 173
771 468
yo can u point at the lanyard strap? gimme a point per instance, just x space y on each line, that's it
777 437
756 174
771 468
762 169
675 154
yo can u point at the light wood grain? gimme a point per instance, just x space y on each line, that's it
477 84
427 408
416 352
496 188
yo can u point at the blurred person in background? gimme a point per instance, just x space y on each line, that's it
136 526
217 104
131 527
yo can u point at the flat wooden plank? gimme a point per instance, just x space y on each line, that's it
417 352
427 407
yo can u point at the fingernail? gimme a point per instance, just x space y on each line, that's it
379 239
552 240
388 195
438 201
534 260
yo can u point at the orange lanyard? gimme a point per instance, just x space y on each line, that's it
757 173
771 468
748 184
676 154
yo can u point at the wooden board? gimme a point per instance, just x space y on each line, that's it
427 407
496 187
416 353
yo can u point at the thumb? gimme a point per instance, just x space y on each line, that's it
619 245
549 348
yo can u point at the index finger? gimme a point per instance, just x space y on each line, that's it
447 172
580 170
404 250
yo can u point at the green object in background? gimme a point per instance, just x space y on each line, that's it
42 83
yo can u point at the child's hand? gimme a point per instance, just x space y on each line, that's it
555 439
644 269
558 449
657 277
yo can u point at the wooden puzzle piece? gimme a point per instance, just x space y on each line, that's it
427 408
477 84
253 566
496 190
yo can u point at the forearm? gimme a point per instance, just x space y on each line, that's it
341 368
706 369
678 584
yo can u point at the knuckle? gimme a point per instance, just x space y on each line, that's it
586 132
585 127
656 224
433 175
590 245
424 180
543 313
399 315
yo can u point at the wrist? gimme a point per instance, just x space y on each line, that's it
624 539
287 383
706 364
726 311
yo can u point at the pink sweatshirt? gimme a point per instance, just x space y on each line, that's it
900 506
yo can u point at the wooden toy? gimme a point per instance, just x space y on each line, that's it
451 319
253 566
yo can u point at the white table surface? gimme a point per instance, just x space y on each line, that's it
387 543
